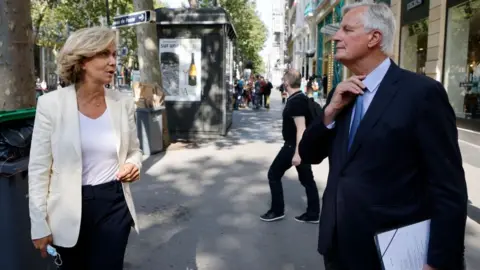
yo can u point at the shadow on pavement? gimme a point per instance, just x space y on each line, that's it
472 247
249 126
473 212
202 213
151 160
198 209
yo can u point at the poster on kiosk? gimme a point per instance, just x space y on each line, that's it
180 63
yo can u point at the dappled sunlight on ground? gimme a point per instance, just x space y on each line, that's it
198 207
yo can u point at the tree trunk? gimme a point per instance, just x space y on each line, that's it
17 83
38 23
148 59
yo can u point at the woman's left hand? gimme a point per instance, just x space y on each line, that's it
128 173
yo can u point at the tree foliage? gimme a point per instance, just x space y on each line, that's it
251 31
54 20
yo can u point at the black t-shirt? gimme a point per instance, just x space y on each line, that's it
297 105
268 88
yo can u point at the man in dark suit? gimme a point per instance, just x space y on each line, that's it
391 142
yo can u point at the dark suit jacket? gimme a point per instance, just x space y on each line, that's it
404 166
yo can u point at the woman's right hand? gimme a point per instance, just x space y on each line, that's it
42 243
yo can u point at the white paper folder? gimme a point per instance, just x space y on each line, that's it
404 248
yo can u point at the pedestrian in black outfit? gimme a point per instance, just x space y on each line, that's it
296 115
282 92
266 94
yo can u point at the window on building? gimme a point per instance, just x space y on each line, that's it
383 1
277 37
462 59
413 52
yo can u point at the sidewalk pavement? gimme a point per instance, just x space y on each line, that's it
198 207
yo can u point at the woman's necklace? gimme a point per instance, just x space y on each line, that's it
96 102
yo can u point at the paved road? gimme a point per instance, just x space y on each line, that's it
199 206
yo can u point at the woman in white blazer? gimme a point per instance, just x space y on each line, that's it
84 155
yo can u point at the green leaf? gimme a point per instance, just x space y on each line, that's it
251 31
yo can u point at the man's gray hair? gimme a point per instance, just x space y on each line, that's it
378 16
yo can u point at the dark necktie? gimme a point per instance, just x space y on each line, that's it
357 117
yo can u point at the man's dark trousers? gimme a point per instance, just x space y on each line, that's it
283 162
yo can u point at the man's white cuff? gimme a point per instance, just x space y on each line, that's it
331 126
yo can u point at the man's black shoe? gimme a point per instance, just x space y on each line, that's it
305 218
271 216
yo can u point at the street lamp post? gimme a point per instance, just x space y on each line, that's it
108 12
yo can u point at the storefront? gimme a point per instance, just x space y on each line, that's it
326 64
461 74
414 35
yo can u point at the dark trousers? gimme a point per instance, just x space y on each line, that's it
283 162
331 259
266 100
104 230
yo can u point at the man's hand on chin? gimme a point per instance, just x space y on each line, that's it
428 267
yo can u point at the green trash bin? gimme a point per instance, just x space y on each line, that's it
17 251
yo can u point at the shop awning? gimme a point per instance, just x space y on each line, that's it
330 29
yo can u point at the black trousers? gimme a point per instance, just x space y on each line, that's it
104 230
283 162
332 259
266 100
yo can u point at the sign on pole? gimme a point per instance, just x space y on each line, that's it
140 17
330 29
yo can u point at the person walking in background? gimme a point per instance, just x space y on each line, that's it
325 85
84 155
247 92
266 94
316 94
257 94
263 84
283 93
303 85
310 87
391 142
238 94
296 115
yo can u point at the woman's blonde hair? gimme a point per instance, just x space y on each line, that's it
82 44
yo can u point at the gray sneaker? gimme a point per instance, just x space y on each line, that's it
306 218
271 216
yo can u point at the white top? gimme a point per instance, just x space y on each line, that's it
99 151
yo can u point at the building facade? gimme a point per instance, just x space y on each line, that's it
275 63
441 39
436 38
330 71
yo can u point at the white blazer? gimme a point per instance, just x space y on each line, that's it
55 168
